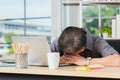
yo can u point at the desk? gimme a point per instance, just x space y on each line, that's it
63 73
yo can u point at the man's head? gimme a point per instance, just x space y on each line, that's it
72 40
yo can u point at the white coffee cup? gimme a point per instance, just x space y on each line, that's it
53 60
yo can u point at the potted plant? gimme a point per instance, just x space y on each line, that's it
106 31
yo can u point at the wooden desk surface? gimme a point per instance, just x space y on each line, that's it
107 72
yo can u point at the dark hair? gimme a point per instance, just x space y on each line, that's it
72 39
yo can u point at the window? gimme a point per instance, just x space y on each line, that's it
94 16
24 17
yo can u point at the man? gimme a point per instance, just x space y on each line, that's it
80 47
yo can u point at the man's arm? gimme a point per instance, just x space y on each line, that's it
111 60
110 57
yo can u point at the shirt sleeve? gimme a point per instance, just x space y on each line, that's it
54 46
102 47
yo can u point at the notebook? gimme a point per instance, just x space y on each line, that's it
39 48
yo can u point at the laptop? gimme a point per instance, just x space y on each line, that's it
39 48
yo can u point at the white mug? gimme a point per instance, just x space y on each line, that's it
53 60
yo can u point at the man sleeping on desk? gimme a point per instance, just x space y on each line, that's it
78 46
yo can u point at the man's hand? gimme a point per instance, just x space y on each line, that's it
77 60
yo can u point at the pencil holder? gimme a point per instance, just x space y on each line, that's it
21 60
21 54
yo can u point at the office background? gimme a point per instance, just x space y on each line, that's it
47 17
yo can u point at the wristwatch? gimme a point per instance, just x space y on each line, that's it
88 60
